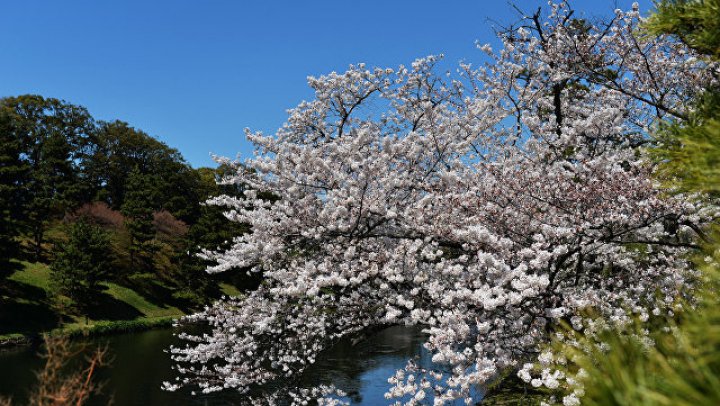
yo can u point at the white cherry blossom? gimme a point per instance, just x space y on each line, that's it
487 206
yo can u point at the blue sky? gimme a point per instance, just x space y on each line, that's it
195 73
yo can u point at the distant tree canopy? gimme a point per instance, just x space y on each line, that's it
58 165
119 149
55 157
13 173
138 211
48 140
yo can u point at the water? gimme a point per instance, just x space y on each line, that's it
139 367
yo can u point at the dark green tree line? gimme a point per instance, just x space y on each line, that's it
13 173
53 136
59 166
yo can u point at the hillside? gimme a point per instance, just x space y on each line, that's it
29 307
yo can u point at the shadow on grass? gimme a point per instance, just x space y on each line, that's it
26 318
157 293
8 268
105 307
24 308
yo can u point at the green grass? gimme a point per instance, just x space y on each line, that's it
229 290
132 298
119 326
27 306
33 274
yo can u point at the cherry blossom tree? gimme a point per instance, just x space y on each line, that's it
487 205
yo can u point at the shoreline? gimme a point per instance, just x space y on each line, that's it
104 327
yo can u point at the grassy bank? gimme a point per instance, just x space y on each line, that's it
95 328
29 308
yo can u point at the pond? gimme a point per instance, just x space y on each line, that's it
139 367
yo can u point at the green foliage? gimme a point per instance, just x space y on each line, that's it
119 326
13 172
133 192
193 283
689 153
694 22
681 368
138 211
119 149
53 136
211 231
81 263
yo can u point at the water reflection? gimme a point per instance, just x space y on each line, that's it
140 366
362 369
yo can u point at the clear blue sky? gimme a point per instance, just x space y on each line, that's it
195 73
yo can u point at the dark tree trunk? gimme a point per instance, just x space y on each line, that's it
39 234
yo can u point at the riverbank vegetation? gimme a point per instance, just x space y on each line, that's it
30 307
100 221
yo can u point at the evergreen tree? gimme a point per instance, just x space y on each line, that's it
137 208
694 22
81 263
13 173
120 148
210 231
54 136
